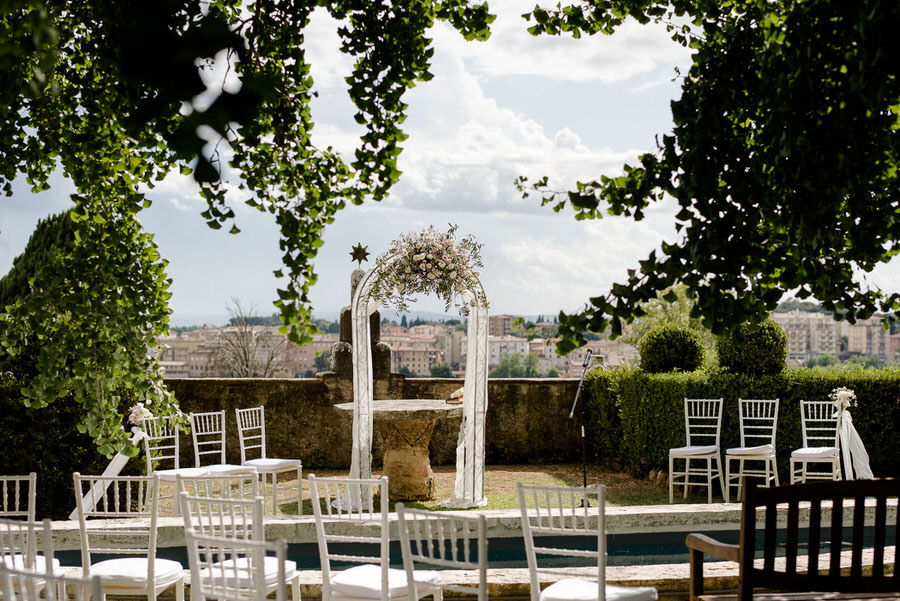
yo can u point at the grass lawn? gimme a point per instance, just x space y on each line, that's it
500 486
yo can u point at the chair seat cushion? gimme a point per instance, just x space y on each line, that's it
232 569
17 562
227 469
271 464
763 449
365 582
815 453
690 451
576 589
131 572
187 472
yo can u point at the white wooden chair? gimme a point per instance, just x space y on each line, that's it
18 584
339 503
208 436
821 430
219 486
703 426
229 569
163 455
18 549
252 435
18 496
577 531
18 537
444 540
758 423
238 521
123 519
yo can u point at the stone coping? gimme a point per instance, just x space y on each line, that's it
505 523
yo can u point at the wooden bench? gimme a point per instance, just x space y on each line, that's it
818 575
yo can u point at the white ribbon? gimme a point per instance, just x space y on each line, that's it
856 459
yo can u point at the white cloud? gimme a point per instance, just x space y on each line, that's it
634 49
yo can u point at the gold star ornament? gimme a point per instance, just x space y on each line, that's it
359 254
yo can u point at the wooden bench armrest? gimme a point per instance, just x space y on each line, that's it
706 544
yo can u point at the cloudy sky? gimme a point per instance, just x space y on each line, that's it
515 105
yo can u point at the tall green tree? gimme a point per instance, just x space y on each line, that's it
112 91
784 159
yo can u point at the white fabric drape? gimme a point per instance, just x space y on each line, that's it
856 459
469 488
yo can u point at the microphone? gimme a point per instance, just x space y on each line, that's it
587 358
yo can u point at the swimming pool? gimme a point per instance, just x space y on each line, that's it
632 549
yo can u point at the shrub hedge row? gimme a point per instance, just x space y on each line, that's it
46 441
636 417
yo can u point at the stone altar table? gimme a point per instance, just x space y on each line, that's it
406 426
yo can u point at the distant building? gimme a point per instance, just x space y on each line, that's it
869 337
500 325
809 334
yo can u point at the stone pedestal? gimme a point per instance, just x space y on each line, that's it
406 426
406 462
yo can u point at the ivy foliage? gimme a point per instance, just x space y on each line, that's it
783 160
113 92
79 331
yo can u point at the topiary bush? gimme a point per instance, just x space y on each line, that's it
669 348
761 351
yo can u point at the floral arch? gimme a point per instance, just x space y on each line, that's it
408 269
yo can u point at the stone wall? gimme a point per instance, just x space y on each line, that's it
527 420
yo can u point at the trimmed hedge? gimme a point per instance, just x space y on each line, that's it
637 417
671 347
46 441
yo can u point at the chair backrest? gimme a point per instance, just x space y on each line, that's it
819 421
758 421
18 541
444 540
240 519
577 530
18 496
161 442
837 518
230 569
26 585
208 434
221 487
118 497
703 421
338 501
252 432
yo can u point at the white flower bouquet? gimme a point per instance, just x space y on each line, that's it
429 262
843 398
137 413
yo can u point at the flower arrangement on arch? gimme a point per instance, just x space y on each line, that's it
843 398
429 262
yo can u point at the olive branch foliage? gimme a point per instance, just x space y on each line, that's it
106 90
783 160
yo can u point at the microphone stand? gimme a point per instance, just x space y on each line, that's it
587 362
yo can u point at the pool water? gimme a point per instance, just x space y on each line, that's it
622 550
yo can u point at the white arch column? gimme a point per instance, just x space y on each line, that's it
469 487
